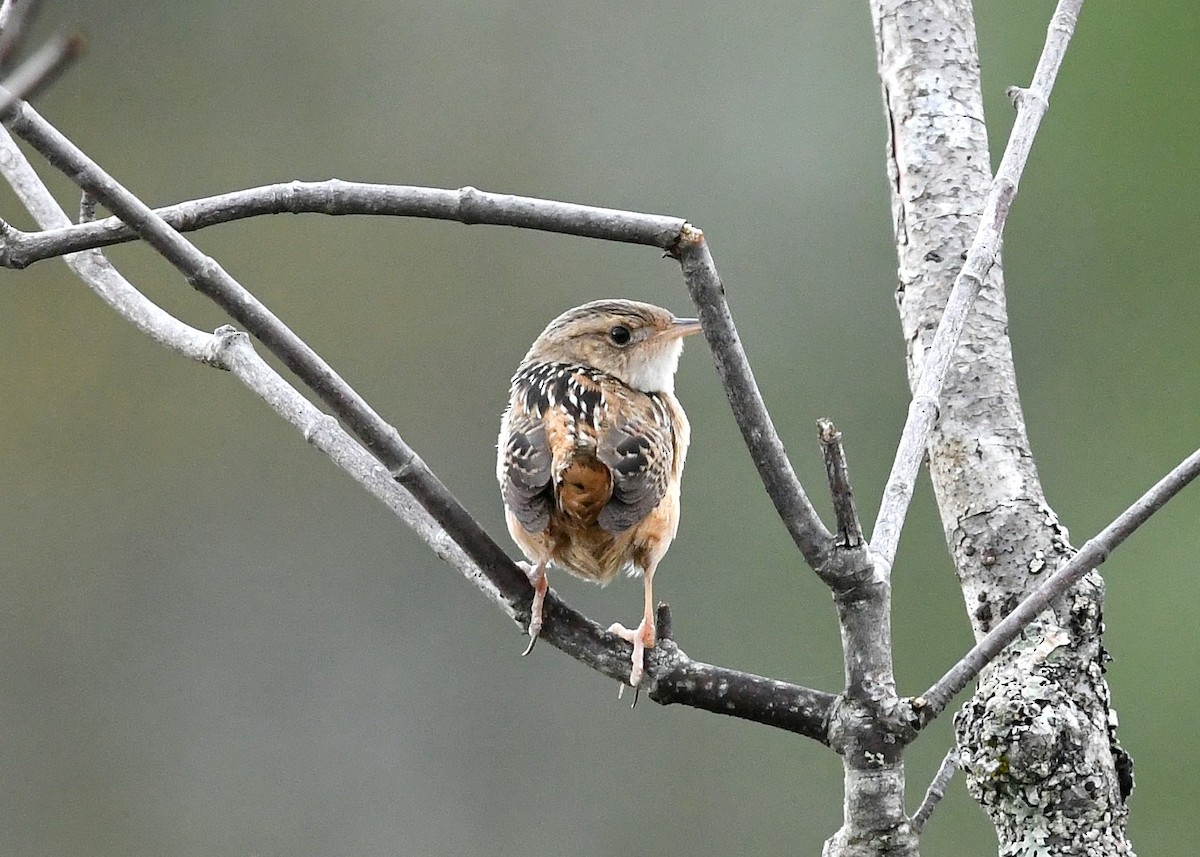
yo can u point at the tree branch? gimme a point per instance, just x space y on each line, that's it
869 726
16 16
672 677
936 790
468 206
774 468
1091 555
335 197
1036 726
849 526
922 412
750 697
42 68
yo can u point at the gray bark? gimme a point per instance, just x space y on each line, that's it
1038 738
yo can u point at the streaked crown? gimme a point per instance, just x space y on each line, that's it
637 343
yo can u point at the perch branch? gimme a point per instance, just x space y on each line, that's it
1091 555
1031 106
468 206
335 197
674 677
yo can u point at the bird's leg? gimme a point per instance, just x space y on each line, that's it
537 576
642 636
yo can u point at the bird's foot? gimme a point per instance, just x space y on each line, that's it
642 638
537 576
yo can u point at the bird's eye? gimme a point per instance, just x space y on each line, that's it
620 335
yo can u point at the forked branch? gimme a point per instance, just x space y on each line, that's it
1090 556
673 676
1031 107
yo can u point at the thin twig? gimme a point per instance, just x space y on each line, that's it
931 703
758 431
850 534
16 16
91 266
922 412
936 790
336 197
673 677
41 69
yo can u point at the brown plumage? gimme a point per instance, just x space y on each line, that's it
591 450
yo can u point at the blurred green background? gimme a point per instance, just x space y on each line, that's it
213 643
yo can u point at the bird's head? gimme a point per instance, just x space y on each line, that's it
634 342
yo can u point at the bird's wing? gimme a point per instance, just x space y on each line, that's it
526 470
639 448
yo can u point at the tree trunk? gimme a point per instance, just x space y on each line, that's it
1038 738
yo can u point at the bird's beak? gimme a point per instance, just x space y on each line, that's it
681 327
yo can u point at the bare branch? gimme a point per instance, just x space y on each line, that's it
94 269
336 197
774 468
672 677
16 16
42 68
749 697
1091 555
869 725
922 413
936 790
849 526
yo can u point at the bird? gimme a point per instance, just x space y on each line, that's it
591 452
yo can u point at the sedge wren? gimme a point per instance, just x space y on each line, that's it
591 451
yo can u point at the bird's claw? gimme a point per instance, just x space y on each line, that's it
621 694
529 648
